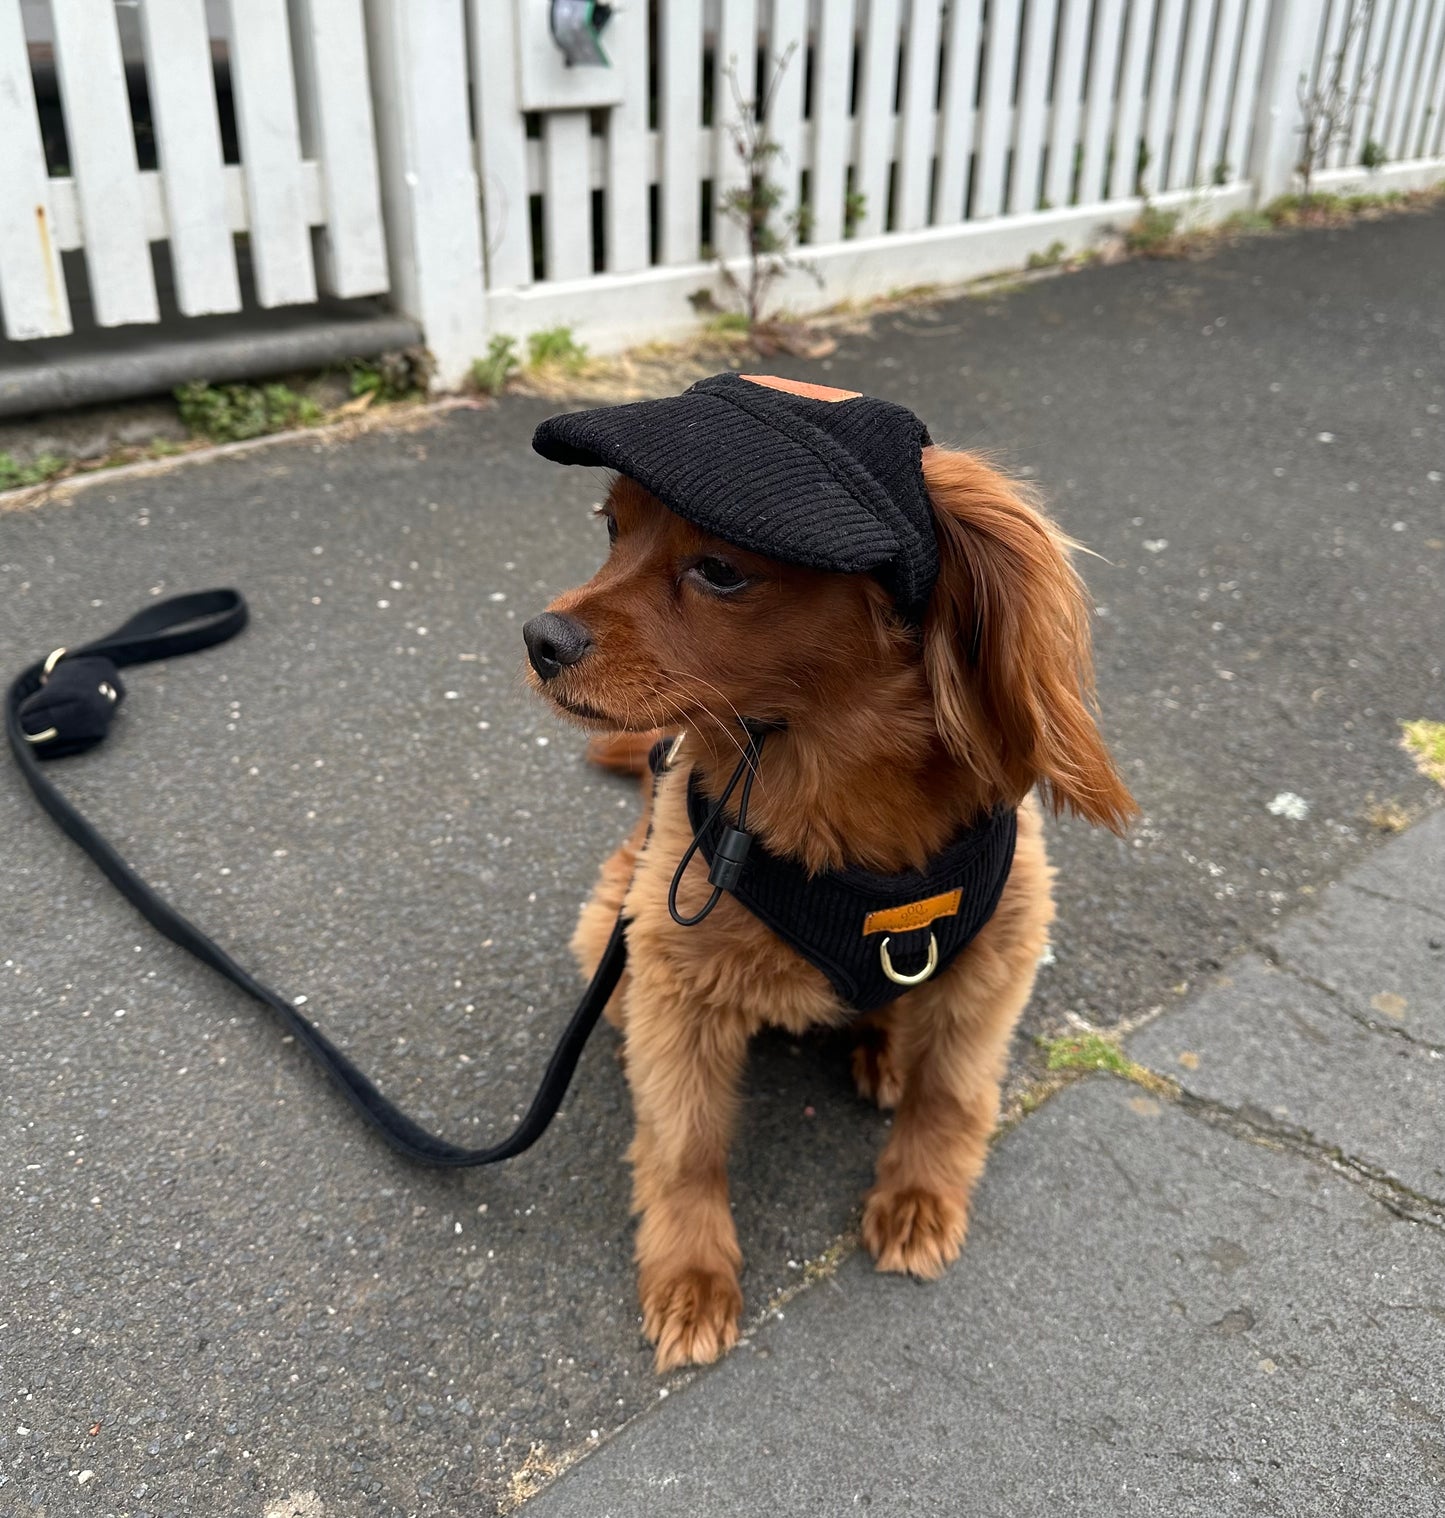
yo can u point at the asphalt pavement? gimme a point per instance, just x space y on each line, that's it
221 1296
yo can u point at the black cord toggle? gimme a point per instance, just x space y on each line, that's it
731 852
728 859
72 709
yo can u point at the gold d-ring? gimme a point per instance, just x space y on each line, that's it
52 659
909 980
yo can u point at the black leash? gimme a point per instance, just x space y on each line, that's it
64 705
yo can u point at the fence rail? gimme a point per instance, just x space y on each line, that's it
437 150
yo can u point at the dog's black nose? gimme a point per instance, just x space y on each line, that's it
553 642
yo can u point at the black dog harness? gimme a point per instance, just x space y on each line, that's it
873 936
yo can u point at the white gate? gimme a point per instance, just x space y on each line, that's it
304 196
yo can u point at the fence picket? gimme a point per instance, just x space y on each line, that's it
1182 171
679 43
32 283
956 112
1099 101
1124 170
1066 130
188 150
1031 113
627 215
789 30
1351 42
735 73
1436 133
1406 82
1246 87
103 162
995 110
501 147
1160 105
1374 34
1384 101
566 196
1212 165
1412 144
873 148
329 37
1332 30
920 84
270 134
832 123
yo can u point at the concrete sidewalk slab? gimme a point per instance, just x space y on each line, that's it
1363 945
1150 1317
1340 1040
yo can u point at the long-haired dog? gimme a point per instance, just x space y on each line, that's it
885 741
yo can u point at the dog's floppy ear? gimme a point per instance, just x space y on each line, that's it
1007 650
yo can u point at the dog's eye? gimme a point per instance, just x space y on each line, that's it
718 574
606 515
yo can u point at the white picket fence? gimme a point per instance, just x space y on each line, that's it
490 192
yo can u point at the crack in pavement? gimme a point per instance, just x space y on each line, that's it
1256 1127
1277 961
1394 901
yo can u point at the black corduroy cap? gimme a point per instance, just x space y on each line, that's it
828 479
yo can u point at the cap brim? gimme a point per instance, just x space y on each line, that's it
707 460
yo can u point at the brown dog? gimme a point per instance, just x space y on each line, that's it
888 744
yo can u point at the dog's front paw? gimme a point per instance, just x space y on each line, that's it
912 1230
691 1316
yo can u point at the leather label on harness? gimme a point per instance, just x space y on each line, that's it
917 914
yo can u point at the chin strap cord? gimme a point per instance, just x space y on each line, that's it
64 704
731 853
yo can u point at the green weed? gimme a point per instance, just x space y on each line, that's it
1154 233
490 374
232 413
1425 742
14 475
404 375
1050 258
556 347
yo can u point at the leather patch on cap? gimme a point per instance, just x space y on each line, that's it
801 387
917 914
